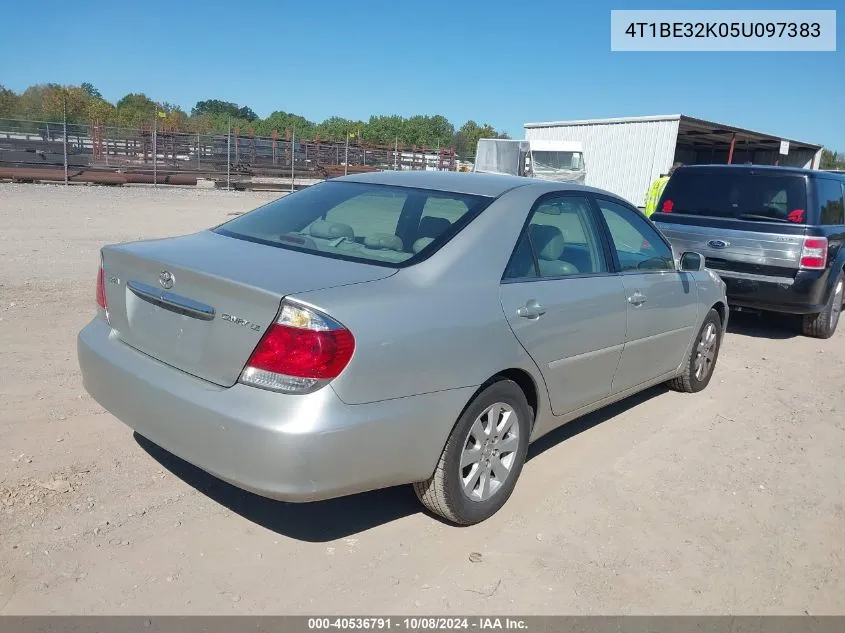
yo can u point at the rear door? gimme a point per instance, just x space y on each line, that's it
749 224
662 303
564 303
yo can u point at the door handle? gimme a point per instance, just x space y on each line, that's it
531 310
637 299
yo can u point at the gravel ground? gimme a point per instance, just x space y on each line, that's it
728 501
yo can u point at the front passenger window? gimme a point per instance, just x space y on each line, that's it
638 246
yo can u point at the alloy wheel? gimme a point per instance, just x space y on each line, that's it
489 452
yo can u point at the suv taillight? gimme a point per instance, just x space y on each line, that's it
101 288
300 352
814 253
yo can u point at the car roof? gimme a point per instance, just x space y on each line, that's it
489 185
757 168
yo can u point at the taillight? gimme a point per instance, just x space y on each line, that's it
668 205
300 352
814 253
101 288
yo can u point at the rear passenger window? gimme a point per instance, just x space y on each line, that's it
561 240
832 205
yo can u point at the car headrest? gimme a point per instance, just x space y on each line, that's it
422 243
383 242
549 209
548 241
431 226
330 230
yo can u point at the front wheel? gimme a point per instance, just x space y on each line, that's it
701 362
823 324
483 457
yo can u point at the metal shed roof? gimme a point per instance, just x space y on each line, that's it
695 130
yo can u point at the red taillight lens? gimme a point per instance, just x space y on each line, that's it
300 352
668 205
101 288
303 353
814 253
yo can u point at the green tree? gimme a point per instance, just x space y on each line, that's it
135 110
466 138
8 102
72 100
226 108
282 122
832 160
91 90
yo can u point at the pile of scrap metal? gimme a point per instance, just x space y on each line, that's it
92 176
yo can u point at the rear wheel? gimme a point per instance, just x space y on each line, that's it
823 324
483 457
701 362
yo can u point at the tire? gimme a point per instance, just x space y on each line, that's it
705 352
458 494
823 324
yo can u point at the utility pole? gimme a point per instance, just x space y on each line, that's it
346 155
292 156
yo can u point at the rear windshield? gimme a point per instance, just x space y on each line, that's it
379 224
741 195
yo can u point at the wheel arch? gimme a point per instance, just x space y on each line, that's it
523 379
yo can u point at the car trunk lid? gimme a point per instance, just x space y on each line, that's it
202 302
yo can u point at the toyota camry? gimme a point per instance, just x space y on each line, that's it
396 328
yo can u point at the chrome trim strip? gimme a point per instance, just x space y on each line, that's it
172 302
784 281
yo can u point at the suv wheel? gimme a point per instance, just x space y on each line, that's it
823 324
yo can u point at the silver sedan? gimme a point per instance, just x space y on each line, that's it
396 328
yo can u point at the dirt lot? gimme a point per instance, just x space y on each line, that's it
729 501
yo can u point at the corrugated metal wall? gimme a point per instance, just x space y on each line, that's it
623 158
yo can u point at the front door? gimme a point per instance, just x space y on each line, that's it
662 302
563 303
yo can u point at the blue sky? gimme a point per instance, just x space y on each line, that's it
499 62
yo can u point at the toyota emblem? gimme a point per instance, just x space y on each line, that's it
166 279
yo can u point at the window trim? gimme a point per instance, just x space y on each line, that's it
603 245
595 197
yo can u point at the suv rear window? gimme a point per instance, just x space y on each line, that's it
377 224
740 195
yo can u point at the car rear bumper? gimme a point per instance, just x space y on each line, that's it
805 294
293 448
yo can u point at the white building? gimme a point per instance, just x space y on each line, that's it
625 155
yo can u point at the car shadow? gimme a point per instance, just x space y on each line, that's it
316 522
324 521
586 422
764 325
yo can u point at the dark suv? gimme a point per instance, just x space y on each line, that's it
774 234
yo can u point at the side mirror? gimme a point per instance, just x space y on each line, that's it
691 262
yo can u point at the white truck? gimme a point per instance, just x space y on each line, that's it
561 161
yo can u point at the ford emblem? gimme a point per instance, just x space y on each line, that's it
718 244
